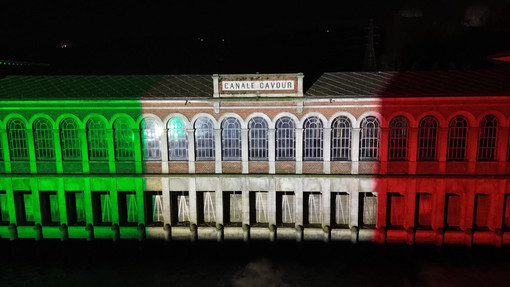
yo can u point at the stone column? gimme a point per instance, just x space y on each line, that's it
192 201
412 147
299 150
246 201
165 192
217 148
271 201
271 145
502 148
442 148
472 146
326 201
219 201
299 204
354 198
355 150
383 150
244 150
327 151
164 150
191 150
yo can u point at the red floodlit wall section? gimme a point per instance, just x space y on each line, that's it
453 145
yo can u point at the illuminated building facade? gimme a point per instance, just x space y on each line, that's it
413 157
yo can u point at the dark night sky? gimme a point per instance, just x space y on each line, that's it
228 36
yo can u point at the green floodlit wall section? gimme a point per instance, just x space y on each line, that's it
87 208
60 188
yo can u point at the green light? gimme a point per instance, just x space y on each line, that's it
177 128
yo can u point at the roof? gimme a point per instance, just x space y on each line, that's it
104 87
413 84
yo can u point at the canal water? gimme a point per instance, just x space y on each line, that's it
153 263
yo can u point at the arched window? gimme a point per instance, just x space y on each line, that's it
312 138
457 138
177 139
397 140
427 138
369 139
96 138
204 139
124 140
258 139
487 138
43 139
341 133
231 139
70 139
151 139
18 144
285 139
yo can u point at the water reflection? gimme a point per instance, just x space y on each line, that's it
104 263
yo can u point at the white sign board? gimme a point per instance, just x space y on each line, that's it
270 85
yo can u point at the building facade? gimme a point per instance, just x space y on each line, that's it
410 157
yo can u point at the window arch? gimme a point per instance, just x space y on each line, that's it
397 140
341 134
427 138
487 138
96 139
43 139
151 139
457 138
177 139
369 139
312 138
18 144
285 139
204 139
70 139
123 139
231 139
258 139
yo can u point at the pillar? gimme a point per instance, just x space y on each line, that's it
299 150
191 151
271 145
327 151
217 149
244 150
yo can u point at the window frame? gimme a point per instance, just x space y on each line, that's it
151 139
486 149
231 139
313 139
258 139
370 139
44 141
18 139
398 139
70 140
341 139
285 139
428 129
177 140
457 141
97 142
205 149
123 140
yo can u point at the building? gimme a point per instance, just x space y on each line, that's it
412 157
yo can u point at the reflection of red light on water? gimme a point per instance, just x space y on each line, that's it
505 59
